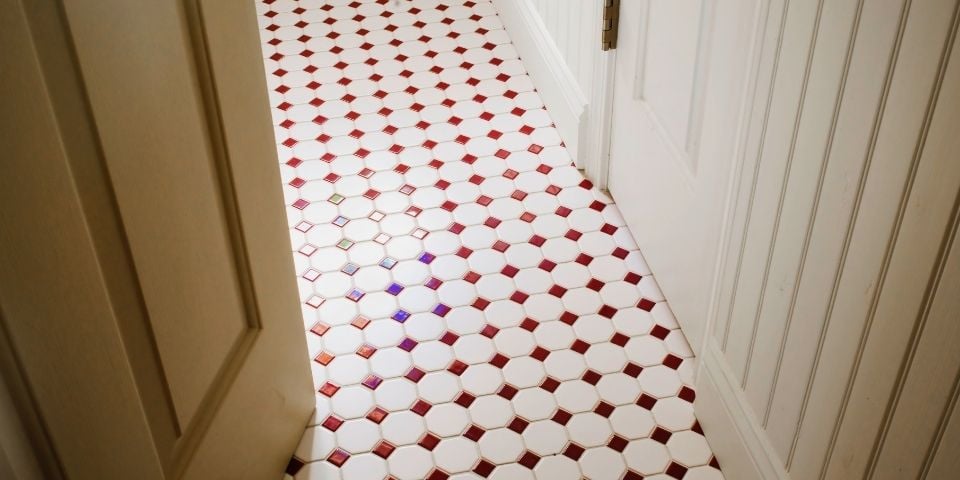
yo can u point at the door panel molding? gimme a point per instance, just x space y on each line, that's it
107 378
677 185
683 148
187 444
189 429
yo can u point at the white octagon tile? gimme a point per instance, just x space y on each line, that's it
456 454
410 463
545 437
647 456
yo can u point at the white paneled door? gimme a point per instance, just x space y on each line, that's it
146 286
682 78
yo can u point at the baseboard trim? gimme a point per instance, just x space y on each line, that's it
557 85
731 428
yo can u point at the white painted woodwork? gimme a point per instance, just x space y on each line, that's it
559 42
681 99
17 458
833 353
574 26
152 304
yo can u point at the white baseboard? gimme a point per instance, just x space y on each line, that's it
731 427
557 85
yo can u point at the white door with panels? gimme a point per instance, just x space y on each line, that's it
150 304
681 77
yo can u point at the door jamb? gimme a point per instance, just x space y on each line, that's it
599 121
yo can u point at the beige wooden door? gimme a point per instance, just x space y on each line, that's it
146 285
682 75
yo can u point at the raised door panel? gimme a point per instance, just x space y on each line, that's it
681 89
184 126
164 170
667 71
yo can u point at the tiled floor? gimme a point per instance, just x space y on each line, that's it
473 307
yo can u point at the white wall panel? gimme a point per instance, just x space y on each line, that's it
574 26
837 339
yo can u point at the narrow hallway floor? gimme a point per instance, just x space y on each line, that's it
473 307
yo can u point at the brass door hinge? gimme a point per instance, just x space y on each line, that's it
608 29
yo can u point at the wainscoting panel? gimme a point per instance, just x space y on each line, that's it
834 350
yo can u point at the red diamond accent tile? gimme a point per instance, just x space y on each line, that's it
499 360
338 457
529 324
573 451
591 377
377 415
384 449
633 370
484 468
329 389
449 338
518 424
332 423
366 351
457 367
646 305
429 441
659 332
595 285
519 297
529 459
474 433
646 401
465 399
550 384
547 265
540 353
489 331
672 361
414 374
437 475
562 416
323 358
604 409
421 407
508 392
618 443
676 470
319 328
607 311
661 435
687 394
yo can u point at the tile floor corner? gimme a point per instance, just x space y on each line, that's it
473 307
